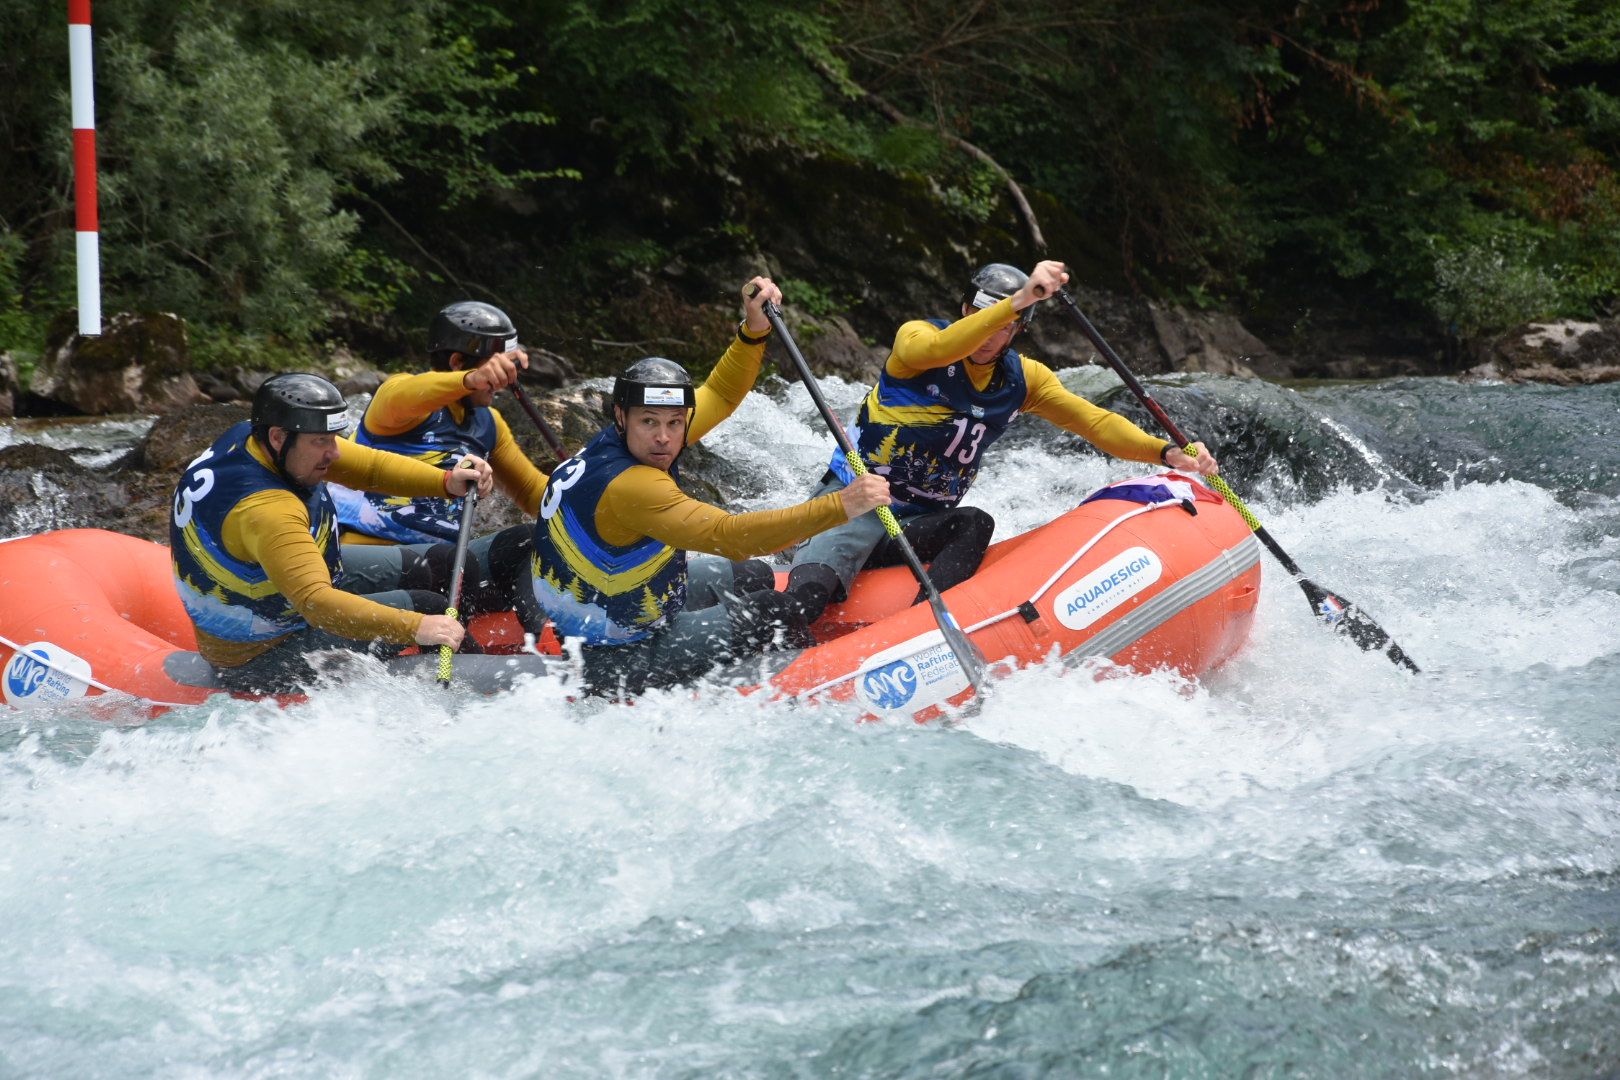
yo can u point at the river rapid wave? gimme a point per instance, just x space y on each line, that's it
1309 863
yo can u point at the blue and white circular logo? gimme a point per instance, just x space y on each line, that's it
41 673
24 675
890 686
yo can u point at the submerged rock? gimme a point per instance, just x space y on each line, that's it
44 488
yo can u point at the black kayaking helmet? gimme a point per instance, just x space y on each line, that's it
994 282
298 403
475 329
652 382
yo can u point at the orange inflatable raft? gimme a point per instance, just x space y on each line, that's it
1174 583
85 612
1165 583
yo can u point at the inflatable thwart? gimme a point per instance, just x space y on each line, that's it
1149 572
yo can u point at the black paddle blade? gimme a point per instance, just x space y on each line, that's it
1346 618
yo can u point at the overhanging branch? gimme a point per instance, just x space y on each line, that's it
845 85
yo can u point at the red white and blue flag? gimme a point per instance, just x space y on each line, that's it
1170 487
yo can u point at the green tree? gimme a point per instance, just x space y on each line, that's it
236 141
1424 144
283 170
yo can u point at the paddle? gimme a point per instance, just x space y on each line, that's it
1335 610
967 654
469 504
540 422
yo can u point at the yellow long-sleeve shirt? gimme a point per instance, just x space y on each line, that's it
271 528
404 401
921 346
645 501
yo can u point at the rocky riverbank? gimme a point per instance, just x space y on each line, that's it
142 365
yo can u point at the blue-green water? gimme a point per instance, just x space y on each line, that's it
1307 864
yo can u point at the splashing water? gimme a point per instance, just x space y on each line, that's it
94 443
1307 863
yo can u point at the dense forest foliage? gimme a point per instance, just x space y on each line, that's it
283 173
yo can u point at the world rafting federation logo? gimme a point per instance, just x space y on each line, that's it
890 686
24 676
42 673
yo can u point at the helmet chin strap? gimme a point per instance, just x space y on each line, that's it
686 437
279 459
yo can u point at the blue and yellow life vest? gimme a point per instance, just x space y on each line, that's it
928 433
599 592
226 597
441 442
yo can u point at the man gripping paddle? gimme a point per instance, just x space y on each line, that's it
947 392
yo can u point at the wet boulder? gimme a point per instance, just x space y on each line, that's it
175 440
548 369
574 414
707 477
140 363
1212 343
44 488
831 347
1566 352
350 374
238 384
1125 322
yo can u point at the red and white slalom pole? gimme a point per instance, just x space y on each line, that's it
84 167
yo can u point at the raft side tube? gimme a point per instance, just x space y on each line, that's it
1148 587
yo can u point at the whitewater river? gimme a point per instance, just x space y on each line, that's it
1307 864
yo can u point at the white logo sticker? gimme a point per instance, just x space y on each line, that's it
43 673
911 676
1105 588
511 343
982 299
337 421
662 395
